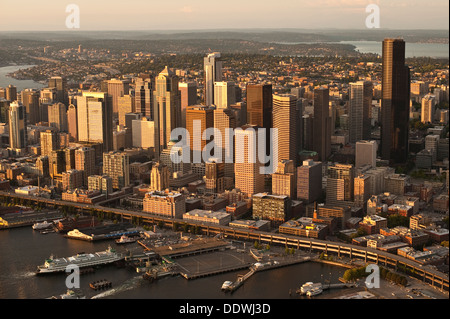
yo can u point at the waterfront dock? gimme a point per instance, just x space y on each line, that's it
256 267
191 276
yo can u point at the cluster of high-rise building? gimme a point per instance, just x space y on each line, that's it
275 149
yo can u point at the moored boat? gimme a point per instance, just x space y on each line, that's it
226 285
309 286
43 225
81 260
314 291
124 239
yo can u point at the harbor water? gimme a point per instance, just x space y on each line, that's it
23 249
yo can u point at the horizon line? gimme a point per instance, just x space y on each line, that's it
227 29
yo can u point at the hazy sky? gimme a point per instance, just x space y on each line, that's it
49 15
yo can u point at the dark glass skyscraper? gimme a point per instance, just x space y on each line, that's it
395 102
259 105
322 123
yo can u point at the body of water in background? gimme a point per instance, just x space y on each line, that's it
433 50
20 84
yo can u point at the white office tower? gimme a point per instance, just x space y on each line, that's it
224 94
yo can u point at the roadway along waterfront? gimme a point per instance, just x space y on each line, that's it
428 275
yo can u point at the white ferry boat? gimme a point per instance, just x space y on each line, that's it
81 260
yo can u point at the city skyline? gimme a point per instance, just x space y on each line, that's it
224 152
202 15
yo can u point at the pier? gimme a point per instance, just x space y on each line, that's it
263 267
190 276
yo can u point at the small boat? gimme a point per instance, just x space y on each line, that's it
314 291
43 225
309 286
100 284
71 294
226 285
125 240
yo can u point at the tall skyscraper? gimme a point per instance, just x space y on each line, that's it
428 103
95 119
259 105
309 181
72 122
359 112
248 178
116 89
366 153
57 116
395 102
167 110
224 94
213 73
322 123
214 176
60 85
17 126
30 100
126 104
11 93
85 161
285 120
224 119
117 166
188 95
4 109
143 95
49 142
204 117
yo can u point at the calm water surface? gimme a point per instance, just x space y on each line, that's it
23 249
20 84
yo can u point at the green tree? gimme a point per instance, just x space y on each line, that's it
347 275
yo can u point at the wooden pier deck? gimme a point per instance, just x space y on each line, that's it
263 267
190 276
